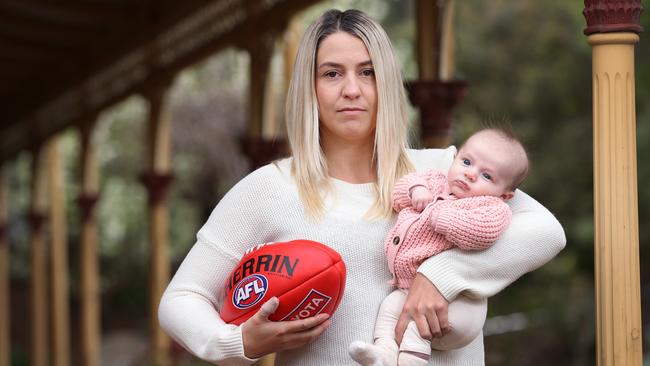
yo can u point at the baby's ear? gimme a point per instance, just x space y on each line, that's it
507 195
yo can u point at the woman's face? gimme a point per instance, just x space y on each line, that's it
346 90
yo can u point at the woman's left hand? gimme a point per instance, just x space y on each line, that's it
426 307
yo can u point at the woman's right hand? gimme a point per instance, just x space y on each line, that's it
262 336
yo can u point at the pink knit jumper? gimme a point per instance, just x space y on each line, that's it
471 223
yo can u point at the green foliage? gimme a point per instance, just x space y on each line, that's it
529 61
19 182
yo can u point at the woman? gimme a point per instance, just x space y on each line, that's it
347 128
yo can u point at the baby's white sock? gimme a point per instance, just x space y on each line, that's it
409 359
378 354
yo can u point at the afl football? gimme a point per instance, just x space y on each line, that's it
306 276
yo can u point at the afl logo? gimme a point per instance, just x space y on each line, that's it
249 291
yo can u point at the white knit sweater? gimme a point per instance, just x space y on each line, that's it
265 207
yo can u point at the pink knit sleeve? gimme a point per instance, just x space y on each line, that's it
473 223
402 189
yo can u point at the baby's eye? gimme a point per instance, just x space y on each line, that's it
466 162
487 176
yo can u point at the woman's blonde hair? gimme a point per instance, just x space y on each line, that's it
309 166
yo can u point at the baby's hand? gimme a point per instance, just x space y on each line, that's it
420 198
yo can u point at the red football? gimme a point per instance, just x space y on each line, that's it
306 276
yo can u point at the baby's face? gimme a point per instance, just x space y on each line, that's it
484 166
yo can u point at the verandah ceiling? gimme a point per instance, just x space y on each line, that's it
62 61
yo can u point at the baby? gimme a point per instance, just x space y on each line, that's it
464 209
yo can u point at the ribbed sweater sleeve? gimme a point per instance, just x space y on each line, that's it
188 310
533 238
473 223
